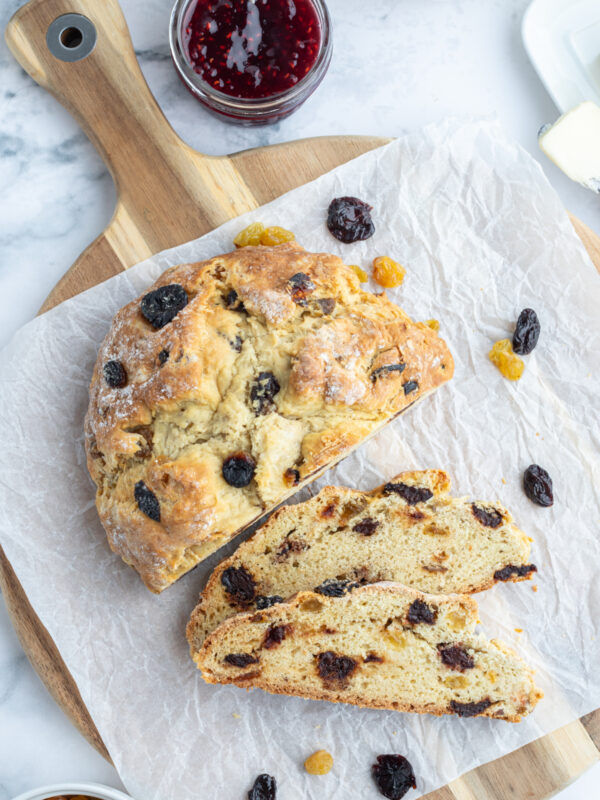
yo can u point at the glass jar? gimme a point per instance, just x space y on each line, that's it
248 110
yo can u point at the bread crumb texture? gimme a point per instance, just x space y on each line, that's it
379 646
277 355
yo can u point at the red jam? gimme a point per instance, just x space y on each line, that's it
252 48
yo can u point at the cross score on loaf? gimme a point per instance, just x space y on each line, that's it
274 365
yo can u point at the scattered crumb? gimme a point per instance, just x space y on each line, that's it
534 588
518 630
529 539
394 733
503 480
537 434
320 763
317 727
237 716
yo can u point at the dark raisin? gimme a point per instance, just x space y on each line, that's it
366 526
275 636
163 356
490 517
327 304
299 286
291 477
455 656
146 500
236 344
238 470
372 658
334 668
163 304
264 601
349 219
265 788
239 585
333 588
527 332
469 709
386 370
233 302
114 374
419 611
412 494
538 486
263 390
434 568
410 386
394 776
510 571
240 659
290 546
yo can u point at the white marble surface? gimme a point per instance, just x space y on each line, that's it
397 65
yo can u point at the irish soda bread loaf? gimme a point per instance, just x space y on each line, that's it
232 383
381 646
409 530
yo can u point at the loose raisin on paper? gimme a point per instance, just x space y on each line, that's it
349 219
527 332
538 486
264 788
394 776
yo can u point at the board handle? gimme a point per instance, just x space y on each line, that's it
81 52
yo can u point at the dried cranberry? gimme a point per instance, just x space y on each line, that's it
490 517
506 573
240 659
239 585
275 636
419 611
327 304
265 788
163 356
238 470
334 668
299 286
455 656
264 601
333 588
394 776
527 332
469 709
160 306
410 386
114 374
263 390
366 526
412 494
349 219
147 501
381 372
538 486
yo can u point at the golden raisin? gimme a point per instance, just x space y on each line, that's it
388 273
434 324
319 763
360 273
250 236
509 364
276 235
456 681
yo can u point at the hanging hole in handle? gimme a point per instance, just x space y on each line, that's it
71 37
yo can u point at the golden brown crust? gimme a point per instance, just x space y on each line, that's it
179 417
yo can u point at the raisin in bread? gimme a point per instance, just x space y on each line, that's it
409 530
379 646
232 383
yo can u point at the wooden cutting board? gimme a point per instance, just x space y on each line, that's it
168 194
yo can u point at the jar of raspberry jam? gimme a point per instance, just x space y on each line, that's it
251 61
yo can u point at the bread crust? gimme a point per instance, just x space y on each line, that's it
187 403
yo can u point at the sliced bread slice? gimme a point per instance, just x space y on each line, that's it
409 530
379 646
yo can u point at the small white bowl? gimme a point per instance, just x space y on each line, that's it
89 789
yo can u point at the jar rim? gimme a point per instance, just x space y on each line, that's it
253 105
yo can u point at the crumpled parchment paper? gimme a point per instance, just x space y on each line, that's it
482 236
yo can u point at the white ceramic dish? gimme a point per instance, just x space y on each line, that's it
562 39
90 789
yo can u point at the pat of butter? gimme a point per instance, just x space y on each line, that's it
573 143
